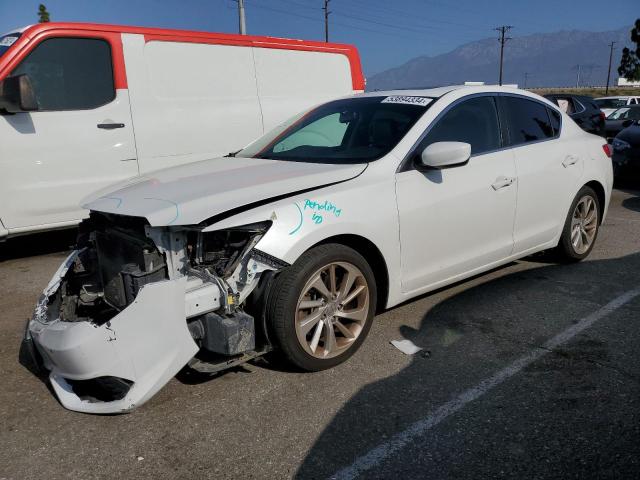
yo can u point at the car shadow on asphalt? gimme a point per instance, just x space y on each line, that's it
36 244
632 203
470 336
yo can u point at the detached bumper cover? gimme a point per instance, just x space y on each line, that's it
145 344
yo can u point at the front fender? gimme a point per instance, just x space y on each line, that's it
363 208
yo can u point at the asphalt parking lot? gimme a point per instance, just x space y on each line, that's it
531 371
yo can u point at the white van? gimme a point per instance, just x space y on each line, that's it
83 106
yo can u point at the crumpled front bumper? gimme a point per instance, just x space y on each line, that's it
145 344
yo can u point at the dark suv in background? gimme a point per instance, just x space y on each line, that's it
582 109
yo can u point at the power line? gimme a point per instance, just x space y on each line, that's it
349 26
503 39
606 91
378 18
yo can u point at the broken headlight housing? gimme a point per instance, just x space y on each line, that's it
221 251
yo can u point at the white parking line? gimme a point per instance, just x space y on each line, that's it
394 444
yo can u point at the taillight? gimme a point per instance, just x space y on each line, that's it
607 149
602 116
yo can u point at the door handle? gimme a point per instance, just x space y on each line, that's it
502 182
570 160
110 126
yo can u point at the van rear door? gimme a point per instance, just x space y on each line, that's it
79 140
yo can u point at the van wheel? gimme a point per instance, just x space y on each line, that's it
581 226
321 307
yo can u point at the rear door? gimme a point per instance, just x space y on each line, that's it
548 165
80 139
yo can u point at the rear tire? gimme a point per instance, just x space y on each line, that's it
321 307
580 227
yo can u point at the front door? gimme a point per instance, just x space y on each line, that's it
80 139
459 219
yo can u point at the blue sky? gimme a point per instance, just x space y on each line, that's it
387 32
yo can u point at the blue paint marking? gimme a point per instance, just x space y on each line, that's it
300 224
168 201
318 211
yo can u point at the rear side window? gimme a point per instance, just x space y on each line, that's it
554 117
473 121
70 73
527 120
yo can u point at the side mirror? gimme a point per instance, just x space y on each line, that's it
445 154
17 94
626 123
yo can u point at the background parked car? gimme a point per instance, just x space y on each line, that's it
609 104
626 153
621 119
582 109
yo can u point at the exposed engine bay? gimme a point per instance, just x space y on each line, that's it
184 296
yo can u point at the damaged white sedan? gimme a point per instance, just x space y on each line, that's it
293 242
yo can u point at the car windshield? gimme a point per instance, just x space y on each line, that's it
353 130
6 41
619 114
610 102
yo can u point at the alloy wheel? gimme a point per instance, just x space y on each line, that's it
332 310
584 224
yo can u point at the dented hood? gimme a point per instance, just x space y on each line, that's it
192 193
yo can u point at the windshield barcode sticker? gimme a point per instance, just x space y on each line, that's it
420 101
7 41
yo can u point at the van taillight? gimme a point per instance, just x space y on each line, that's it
602 116
607 149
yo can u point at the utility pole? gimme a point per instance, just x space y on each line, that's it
503 31
606 92
241 20
578 76
526 76
326 20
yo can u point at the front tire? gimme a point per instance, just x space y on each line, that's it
581 226
321 307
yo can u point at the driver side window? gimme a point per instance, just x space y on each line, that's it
473 121
70 73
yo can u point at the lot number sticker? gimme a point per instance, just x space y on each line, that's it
420 101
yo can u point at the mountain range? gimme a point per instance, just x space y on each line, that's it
548 59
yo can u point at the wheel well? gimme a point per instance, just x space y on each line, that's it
599 189
374 257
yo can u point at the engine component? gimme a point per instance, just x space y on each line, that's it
127 263
228 335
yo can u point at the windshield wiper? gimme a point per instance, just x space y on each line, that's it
232 154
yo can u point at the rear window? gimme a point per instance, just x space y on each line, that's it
554 117
6 41
527 120
610 102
